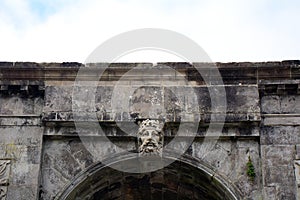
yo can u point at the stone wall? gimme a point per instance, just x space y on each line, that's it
42 152
21 140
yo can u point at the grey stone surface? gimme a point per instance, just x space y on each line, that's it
62 161
17 105
38 136
277 135
281 121
55 101
22 192
279 139
229 158
158 102
281 104
277 168
23 146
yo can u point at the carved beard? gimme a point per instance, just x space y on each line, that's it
2 193
151 147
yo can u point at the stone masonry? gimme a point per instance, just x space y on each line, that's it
256 156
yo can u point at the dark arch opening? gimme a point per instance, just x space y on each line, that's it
186 178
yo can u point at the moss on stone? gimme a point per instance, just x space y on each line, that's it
250 169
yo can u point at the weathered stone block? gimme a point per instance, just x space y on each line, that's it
25 174
286 192
58 98
17 105
270 104
230 158
269 193
279 174
278 155
278 72
22 192
274 135
281 121
275 104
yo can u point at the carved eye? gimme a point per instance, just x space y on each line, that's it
145 133
155 133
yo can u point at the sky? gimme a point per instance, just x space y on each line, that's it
228 31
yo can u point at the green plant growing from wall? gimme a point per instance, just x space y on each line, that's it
250 169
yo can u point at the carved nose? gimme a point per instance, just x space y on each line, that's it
149 139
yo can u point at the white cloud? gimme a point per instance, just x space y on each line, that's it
228 30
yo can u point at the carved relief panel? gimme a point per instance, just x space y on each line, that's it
4 177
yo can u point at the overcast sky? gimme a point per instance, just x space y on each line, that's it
228 30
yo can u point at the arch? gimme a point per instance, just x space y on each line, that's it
185 178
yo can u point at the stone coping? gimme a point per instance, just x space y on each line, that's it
232 73
284 63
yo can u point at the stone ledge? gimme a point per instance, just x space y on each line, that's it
268 64
20 120
283 88
281 119
129 129
67 117
232 73
38 65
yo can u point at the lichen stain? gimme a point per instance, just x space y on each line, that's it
14 151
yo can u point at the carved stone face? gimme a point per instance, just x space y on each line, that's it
150 139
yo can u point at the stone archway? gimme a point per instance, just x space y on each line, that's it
186 178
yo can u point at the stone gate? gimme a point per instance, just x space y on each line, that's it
256 155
